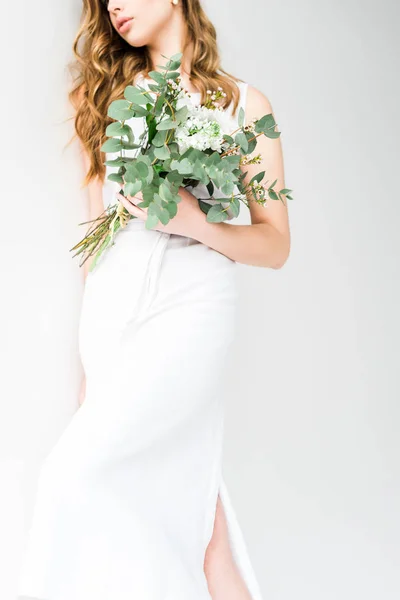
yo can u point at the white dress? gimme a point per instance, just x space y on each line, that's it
126 498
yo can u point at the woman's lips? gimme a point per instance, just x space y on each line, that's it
125 26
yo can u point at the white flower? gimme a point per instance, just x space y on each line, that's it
204 129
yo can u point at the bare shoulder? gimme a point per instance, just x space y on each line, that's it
257 103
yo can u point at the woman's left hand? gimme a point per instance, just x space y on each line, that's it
189 214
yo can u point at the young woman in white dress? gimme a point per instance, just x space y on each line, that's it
131 503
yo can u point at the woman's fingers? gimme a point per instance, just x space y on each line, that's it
131 206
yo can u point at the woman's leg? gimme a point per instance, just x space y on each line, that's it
223 577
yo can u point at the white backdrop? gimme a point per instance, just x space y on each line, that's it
312 445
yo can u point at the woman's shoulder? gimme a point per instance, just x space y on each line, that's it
256 101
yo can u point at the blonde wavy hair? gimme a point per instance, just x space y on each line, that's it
104 64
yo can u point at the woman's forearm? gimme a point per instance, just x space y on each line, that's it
259 244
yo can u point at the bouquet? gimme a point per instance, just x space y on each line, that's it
182 145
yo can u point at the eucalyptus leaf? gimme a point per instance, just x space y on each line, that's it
160 138
173 74
112 145
116 129
272 134
266 122
151 221
158 77
182 166
205 206
172 208
139 111
120 110
235 207
241 140
162 152
132 187
115 162
217 214
134 95
258 177
166 193
115 177
273 195
167 124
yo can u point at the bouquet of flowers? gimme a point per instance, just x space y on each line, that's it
182 145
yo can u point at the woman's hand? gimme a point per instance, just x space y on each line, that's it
186 221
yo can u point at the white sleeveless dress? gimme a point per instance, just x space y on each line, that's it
126 498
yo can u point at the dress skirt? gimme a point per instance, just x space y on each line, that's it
126 499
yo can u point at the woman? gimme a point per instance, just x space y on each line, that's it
131 502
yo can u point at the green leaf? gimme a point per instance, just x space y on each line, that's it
115 177
162 152
183 167
151 221
120 110
266 122
167 124
241 140
139 111
115 162
172 209
164 216
200 173
132 187
286 191
133 94
273 195
128 146
173 74
205 206
174 64
158 77
174 177
227 188
272 134
145 159
160 138
160 102
228 138
217 214
116 129
157 203
235 207
171 60
142 169
258 177
181 114
166 193
112 145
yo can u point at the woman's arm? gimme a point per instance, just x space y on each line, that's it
266 242
95 199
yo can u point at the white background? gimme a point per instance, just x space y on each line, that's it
312 443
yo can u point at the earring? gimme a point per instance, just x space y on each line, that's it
175 2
